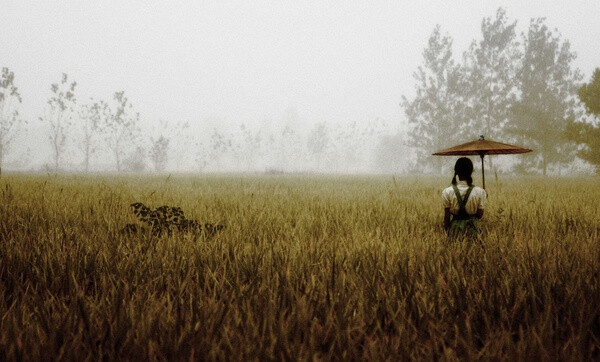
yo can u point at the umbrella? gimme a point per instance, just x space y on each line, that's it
482 147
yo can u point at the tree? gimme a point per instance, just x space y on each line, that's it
159 153
587 134
318 142
437 113
91 116
289 146
391 153
120 128
354 148
10 122
135 161
59 114
347 142
590 94
219 145
160 140
491 65
547 100
179 150
202 157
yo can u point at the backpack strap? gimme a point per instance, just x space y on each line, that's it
462 202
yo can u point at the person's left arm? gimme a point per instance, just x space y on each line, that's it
479 213
481 204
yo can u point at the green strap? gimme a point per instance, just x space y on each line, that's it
468 194
462 202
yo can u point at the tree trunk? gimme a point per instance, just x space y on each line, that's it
56 152
544 165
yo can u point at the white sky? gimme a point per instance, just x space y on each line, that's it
244 61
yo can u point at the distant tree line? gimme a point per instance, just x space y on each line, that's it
10 122
508 88
522 89
81 133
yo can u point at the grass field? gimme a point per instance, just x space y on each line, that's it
307 268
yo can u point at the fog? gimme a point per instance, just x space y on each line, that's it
247 86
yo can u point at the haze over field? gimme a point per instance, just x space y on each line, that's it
254 180
312 67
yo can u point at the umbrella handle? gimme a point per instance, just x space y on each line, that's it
482 169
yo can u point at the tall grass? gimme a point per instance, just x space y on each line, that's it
308 267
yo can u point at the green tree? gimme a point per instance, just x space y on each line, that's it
437 112
10 122
587 133
547 100
491 65
590 94
59 116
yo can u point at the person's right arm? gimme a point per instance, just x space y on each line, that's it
446 218
446 204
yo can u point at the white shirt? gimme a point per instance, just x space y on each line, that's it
476 198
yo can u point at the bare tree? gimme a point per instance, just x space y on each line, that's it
10 122
346 143
290 148
135 160
159 153
91 116
120 128
59 114
318 142
250 146
219 145
202 153
180 132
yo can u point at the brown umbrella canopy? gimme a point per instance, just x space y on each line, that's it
482 147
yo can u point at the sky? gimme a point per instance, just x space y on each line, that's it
246 61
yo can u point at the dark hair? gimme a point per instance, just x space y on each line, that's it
463 168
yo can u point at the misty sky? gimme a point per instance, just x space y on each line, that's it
246 61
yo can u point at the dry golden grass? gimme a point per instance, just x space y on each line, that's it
307 268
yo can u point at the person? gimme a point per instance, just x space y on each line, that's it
463 202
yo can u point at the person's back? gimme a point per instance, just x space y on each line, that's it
475 201
463 202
